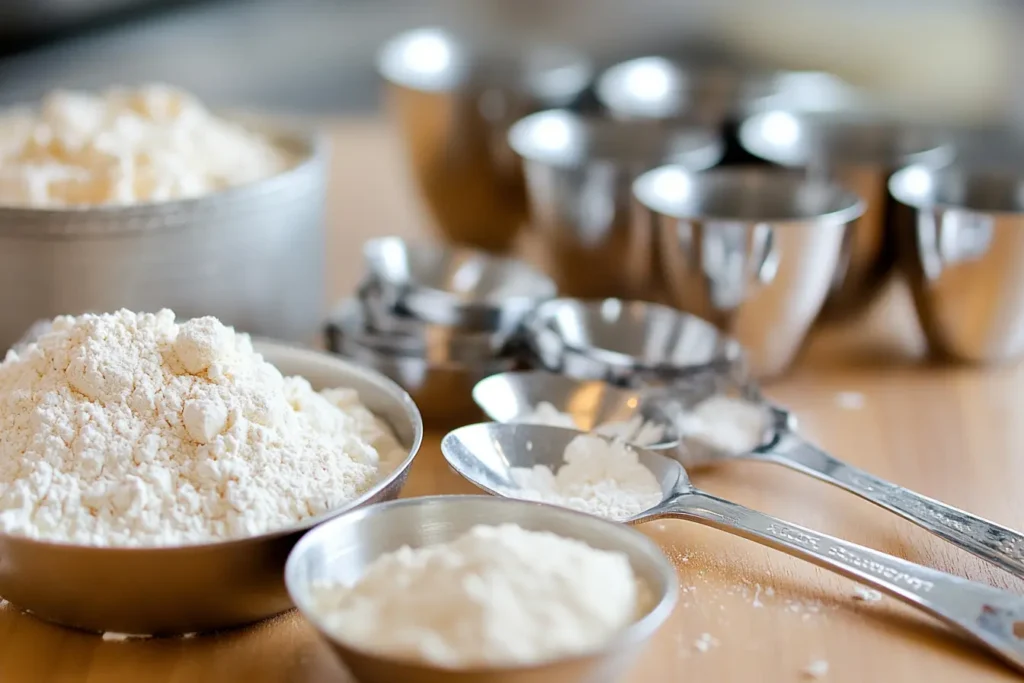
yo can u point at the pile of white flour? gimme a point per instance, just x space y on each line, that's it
635 430
599 477
131 430
495 596
152 144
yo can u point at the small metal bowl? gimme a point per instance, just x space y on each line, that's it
462 288
443 390
753 250
453 101
628 343
859 151
436 344
342 549
251 255
962 237
579 171
195 588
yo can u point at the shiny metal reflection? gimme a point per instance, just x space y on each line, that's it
453 102
462 288
962 246
579 171
629 343
859 151
753 250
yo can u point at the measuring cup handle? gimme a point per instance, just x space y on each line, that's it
1001 546
993 617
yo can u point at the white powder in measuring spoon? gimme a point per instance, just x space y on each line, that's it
129 429
600 477
495 596
636 430
730 424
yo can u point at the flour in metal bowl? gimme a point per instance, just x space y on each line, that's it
129 429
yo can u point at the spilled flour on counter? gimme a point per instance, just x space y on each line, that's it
495 596
635 430
816 669
600 477
128 429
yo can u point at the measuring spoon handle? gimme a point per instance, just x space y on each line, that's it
996 544
992 617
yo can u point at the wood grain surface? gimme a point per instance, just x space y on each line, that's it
950 433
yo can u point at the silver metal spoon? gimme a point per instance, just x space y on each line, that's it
485 453
503 398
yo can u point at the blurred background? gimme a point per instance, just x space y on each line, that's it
954 58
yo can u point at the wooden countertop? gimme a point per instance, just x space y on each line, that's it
949 433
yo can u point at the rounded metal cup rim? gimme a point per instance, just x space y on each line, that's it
672 191
371 254
561 138
539 325
801 138
383 361
912 185
311 149
669 88
434 59
412 412
636 632
355 350
351 323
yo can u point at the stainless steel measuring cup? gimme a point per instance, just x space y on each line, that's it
485 453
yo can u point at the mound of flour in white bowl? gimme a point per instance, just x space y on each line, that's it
129 429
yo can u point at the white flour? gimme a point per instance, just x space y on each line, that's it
729 424
495 596
125 147
599 477
635 430
131 430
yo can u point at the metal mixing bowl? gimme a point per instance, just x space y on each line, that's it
752 250
962 245
579 171
859 151
453 101
252 256
185 589
342 549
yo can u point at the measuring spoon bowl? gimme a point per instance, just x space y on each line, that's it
593 404
485 454
780 442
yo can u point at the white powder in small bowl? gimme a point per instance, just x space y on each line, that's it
129 429
495 596
600 477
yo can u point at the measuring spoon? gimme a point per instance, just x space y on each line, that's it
485 453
